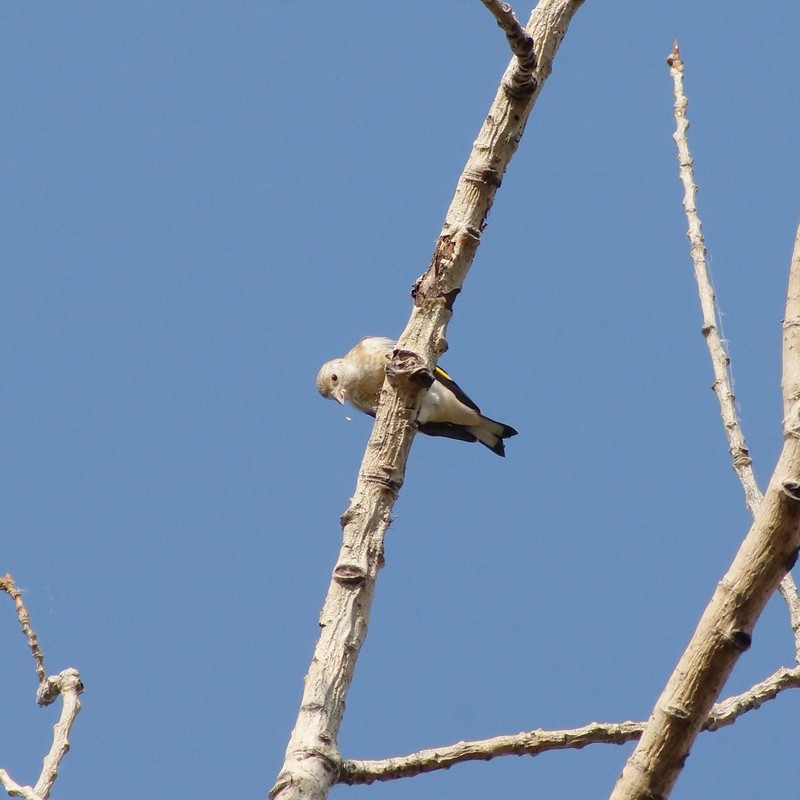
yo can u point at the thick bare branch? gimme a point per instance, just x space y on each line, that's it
768 552
532 743
70 688
312 759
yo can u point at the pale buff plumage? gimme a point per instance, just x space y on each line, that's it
446 410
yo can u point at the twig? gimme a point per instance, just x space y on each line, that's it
728 711
720 361
519 81
8 586
532 743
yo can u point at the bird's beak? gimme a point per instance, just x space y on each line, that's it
339 395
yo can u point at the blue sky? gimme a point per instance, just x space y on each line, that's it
202 203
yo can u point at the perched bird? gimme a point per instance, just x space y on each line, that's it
445 411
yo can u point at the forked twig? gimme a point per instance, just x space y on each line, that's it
66 685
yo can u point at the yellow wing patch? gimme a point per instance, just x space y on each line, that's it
440 371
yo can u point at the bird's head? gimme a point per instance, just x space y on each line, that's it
330 380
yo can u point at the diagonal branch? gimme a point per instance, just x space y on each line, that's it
312 759
724 632
720 360
8 586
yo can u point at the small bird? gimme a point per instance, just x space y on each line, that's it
446 410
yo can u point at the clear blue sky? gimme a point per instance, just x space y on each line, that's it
201 203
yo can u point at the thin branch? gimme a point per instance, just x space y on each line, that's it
8 586
789 593
728 711
720 360
532 743
520 80
312 757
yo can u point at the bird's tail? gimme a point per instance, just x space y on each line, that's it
491 434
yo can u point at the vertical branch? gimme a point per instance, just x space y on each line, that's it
791 393
720 361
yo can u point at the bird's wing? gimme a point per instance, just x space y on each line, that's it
450 384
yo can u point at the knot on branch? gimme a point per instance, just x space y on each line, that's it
791 488
740 639
486 176
349 573
408 375
68 681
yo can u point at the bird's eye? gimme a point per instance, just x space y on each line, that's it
334 377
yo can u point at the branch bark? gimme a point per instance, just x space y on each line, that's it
724 632
312 759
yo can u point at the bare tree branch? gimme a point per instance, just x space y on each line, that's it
312 758
532 743
70 688
724 632
720 360
15 790
66 685
728 711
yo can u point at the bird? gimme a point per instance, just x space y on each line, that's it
445 411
